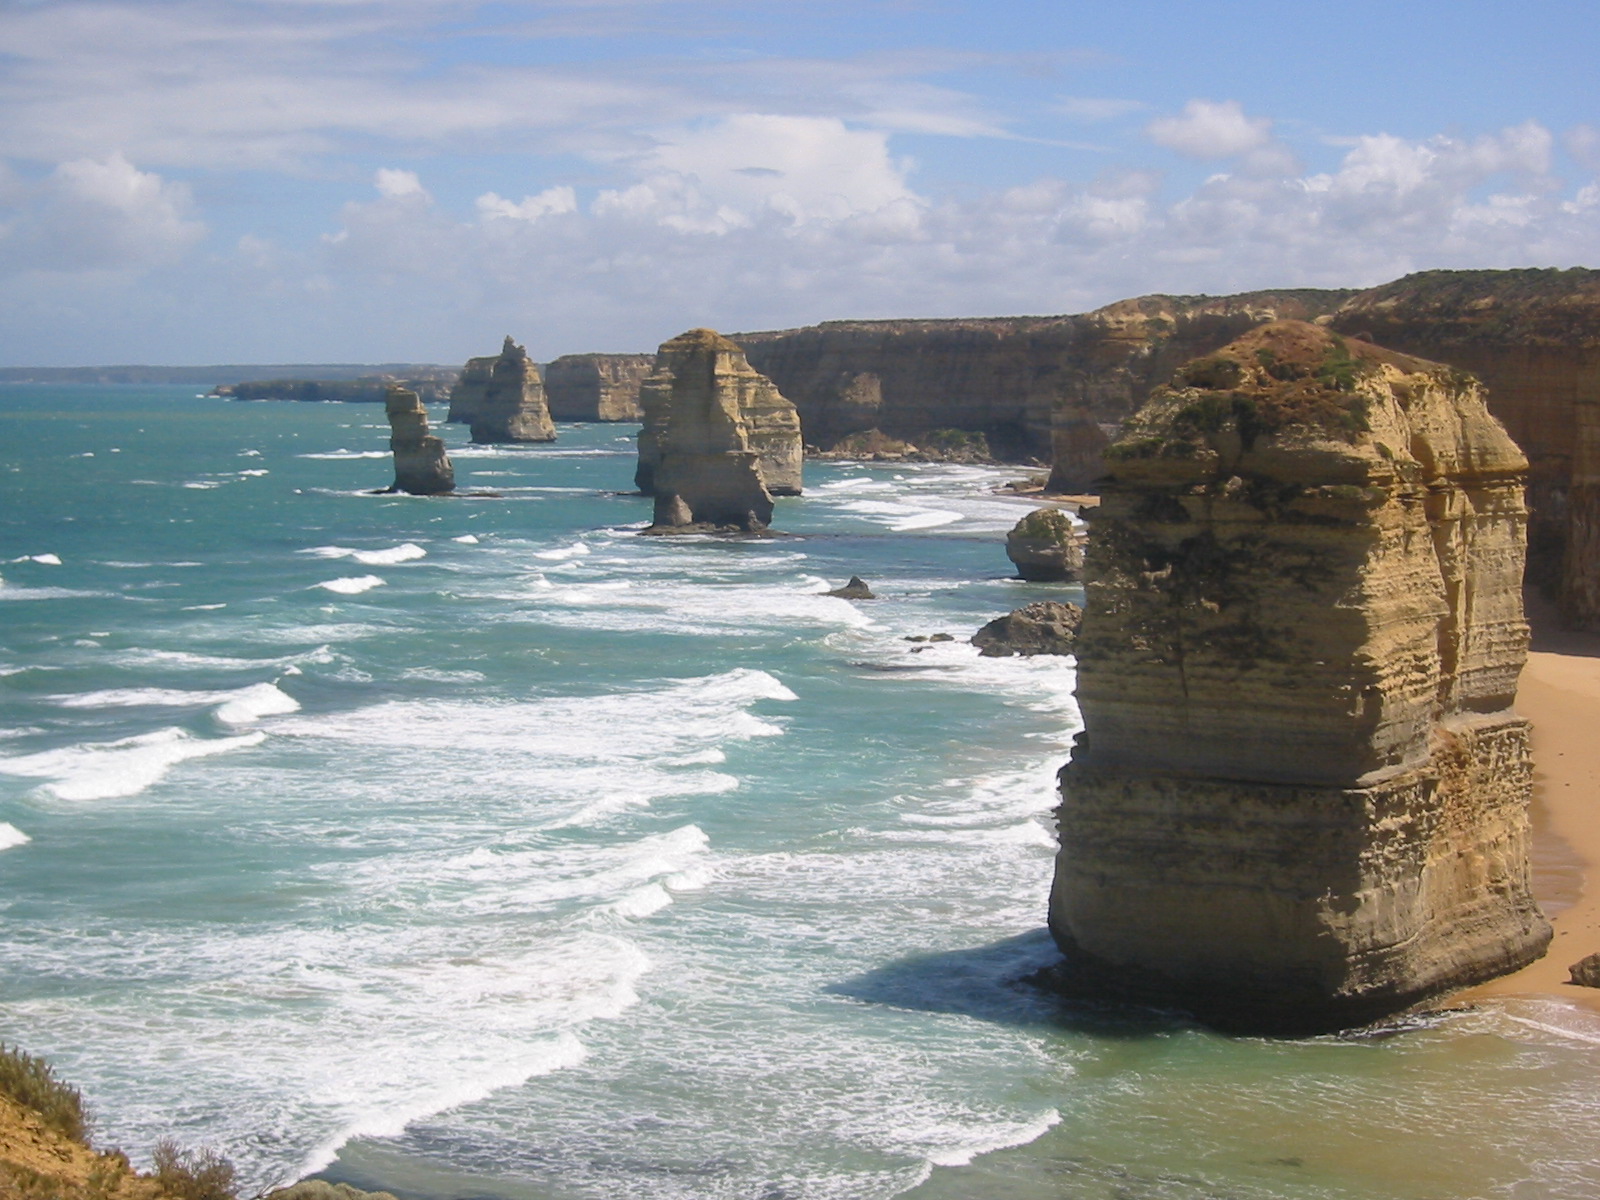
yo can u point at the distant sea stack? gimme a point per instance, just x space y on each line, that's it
596 387
421 466
1533 338
1300 801
502 399
719 440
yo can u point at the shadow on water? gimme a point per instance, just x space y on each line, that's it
994 983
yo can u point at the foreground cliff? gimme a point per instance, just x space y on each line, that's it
719 440
1048 388
1301 798
596 387
1533 338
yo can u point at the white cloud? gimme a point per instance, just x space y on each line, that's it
394 184
1211 130
95 215
550 202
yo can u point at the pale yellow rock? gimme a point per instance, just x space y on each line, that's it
1302 796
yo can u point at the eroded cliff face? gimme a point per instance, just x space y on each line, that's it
596 387
1301 798
502 399
719 440
1533 338
421 466
1049 388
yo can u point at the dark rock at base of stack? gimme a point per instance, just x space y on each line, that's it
1047 627
421 466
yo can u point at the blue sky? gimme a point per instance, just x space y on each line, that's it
191 181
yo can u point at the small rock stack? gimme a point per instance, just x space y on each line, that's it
502 399
421 466
719 440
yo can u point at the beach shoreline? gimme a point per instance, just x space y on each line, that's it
1559 692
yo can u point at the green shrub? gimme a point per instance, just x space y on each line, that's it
193 1174
31 1083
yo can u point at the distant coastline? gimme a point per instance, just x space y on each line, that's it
209 376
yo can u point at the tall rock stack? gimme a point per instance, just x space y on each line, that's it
719 440
1301 798
502 399
596 387
421 465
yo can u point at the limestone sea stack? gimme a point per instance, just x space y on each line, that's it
1045 547
502 399
421 466
1301 798
719 440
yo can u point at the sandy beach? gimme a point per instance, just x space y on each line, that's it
1560 693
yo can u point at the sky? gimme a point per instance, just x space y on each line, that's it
210 181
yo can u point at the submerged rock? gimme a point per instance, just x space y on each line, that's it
1301 800
421 466
1045 547
856 589
1046 627
502 399
719 441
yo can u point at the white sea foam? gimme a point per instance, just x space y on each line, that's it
352 585
12 837
467 539
105 770
49 560
406 552
998 1137
10 591
341 454
577 550
249 705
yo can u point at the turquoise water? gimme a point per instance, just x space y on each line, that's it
480 847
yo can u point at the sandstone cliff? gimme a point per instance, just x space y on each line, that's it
1533 338
719 440
1037 387
502 399
421 466
1301 798
596 387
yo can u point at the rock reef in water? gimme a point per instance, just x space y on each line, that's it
719 440
596 387
502 399
1045 547
1300 801
1044 627
1533 338
421 466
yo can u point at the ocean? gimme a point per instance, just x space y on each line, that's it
479 847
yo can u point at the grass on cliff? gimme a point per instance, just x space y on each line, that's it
193 1174
31 1083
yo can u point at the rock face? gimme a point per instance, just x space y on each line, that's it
1045 388
596 387
1045 547
1533 338
421 466
719 440
1301 798
1047 627
502 399
1585 972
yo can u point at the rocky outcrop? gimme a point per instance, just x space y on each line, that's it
1046 627
1300 801
1533 338
855 589
1038 388
719 440
596 387
1045 547
1585 972
421 466
502 399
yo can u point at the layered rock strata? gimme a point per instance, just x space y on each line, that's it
1045 547
1533 338
1301 798
596 387
719 440
1044 388
502 399
421 466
